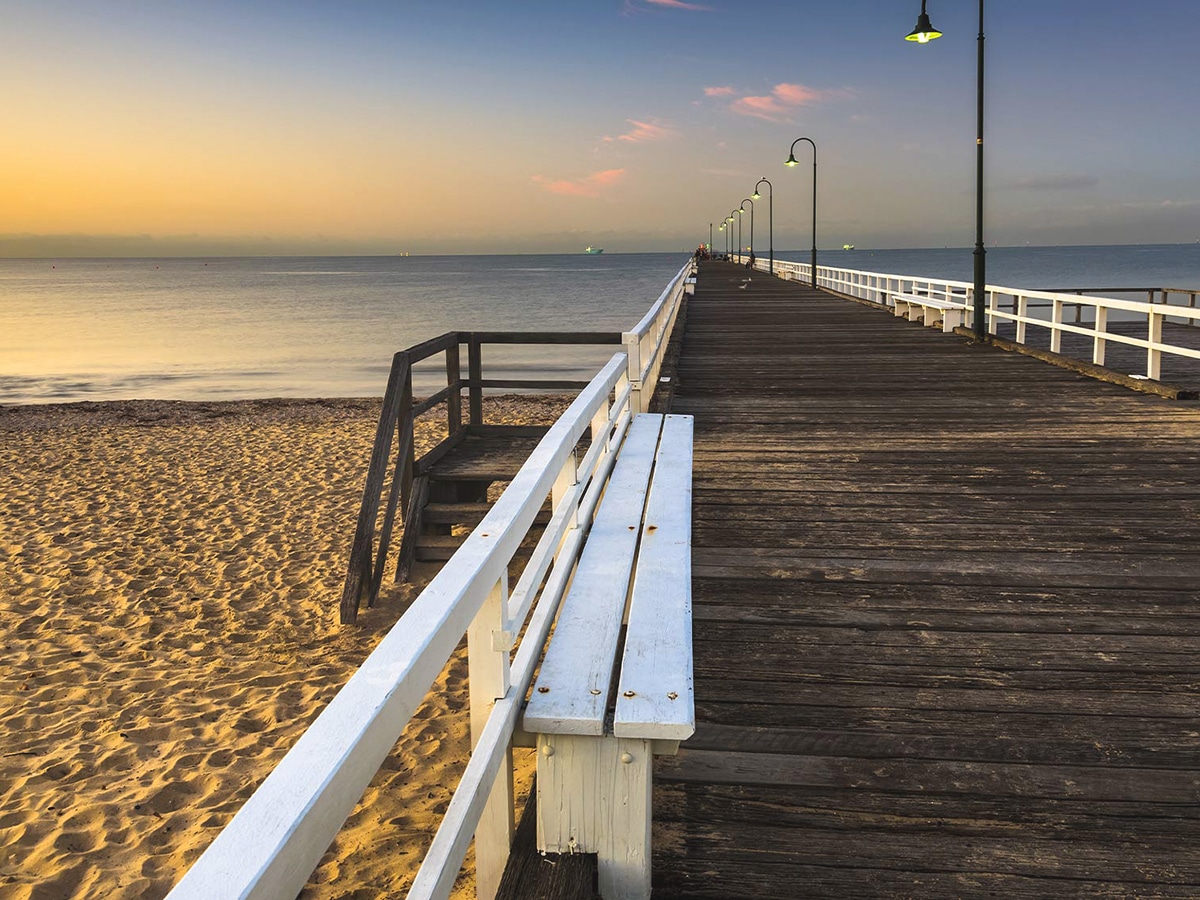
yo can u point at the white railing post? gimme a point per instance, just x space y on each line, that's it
568 477
1022 312
1154 351
1056 317
633 352
1098 341
489 640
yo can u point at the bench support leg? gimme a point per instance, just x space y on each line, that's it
594 797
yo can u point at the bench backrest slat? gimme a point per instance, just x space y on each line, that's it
655 694
572 689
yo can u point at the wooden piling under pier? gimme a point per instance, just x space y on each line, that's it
946 617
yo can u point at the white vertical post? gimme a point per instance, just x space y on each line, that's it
633 352
594 796
1154 354
488 645
993 321
1056 320
568 477
1022 312
1098 343
623 857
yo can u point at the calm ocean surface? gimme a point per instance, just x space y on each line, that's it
214 329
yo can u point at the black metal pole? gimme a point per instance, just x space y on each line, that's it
770 220
710 224
814 217
742 206
791 161
980 252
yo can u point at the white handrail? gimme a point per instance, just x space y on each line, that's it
646 343
278 837
877 287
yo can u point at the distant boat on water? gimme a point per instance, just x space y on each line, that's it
593 250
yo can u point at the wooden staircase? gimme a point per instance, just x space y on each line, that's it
450 493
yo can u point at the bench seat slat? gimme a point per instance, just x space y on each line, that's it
572 688
655 694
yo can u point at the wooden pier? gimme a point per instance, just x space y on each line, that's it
947 629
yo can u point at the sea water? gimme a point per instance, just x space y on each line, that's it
211 329
236 328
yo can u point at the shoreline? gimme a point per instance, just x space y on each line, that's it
172 571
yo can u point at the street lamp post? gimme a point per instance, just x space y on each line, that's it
722 228
733 217
751 202
770 217
710 224
923 34
791 161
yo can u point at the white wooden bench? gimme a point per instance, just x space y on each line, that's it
598 724
929 310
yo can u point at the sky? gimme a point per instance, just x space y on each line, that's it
174 127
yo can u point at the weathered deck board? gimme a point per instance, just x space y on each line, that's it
946 618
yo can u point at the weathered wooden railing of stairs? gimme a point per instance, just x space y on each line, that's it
407 490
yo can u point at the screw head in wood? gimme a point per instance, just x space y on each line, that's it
627 758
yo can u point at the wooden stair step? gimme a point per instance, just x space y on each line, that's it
468 513
438 547
454 513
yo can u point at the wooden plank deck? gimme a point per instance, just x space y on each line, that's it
947 637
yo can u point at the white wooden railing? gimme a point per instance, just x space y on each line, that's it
278 837
646 343
1021 307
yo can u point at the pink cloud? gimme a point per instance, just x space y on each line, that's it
796 94
719 92
590 186
646 131
782 101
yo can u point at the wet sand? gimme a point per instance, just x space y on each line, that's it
169 580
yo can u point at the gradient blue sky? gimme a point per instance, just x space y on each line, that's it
164 126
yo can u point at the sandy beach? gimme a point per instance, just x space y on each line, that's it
169 581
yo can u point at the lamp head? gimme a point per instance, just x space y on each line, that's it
924 32
756 195
791 160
